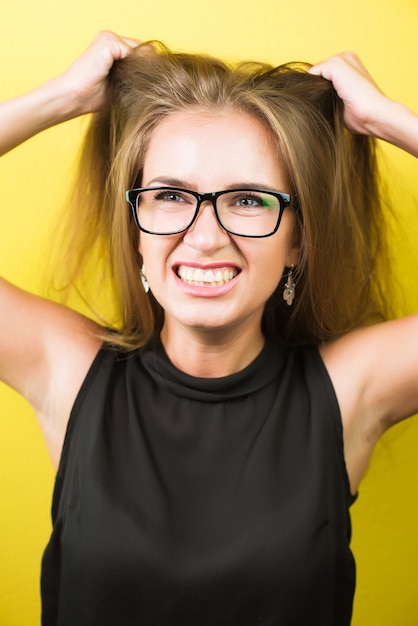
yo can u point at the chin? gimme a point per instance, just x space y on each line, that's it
208 325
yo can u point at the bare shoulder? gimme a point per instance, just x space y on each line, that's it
378 367
46 350
374 372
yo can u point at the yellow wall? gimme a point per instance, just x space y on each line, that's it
38 39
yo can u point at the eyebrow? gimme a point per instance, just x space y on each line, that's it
176 182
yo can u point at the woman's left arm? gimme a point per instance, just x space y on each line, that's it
375 373
374 370
367 110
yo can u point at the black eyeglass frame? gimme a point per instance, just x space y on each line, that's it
285 200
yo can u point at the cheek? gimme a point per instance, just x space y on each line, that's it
267 268
148 248
155 251
271 260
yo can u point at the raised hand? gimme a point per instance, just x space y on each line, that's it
353 83
367 110
80 89
86 78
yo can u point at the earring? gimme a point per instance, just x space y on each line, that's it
289 288
144 280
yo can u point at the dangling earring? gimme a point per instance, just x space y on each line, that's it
289 288
144 280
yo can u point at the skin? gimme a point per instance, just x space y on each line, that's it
46 349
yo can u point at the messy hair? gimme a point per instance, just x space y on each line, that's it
332 172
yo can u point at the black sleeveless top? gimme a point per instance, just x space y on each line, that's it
201 502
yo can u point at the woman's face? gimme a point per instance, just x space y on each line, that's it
210 151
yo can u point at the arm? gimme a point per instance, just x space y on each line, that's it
374 370
81 89
46 349
366 109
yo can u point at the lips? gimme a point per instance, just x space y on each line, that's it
206 277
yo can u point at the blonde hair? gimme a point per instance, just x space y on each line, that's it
333 173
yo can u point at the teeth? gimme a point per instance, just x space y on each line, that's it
197 276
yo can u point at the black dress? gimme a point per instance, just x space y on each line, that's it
201 502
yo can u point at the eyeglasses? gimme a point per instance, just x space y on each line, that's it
242 212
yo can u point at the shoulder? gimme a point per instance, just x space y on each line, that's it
46 350
374 372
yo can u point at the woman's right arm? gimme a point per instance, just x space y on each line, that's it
81 89
45 348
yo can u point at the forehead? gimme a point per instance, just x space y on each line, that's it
213 149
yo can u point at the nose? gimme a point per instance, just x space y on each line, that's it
206 233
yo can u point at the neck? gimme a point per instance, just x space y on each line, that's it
211 353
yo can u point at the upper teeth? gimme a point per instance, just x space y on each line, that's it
198 276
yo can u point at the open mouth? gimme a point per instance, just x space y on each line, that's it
210 277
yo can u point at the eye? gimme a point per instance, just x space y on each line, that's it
249 201
254 202
169 195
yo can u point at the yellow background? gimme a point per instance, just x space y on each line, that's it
38 38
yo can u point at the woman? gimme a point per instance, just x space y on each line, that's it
219 434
